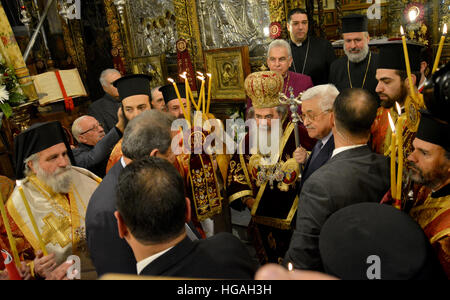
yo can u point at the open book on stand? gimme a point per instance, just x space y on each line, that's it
51 89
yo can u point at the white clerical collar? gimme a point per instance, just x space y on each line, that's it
141 265
122 161
342 149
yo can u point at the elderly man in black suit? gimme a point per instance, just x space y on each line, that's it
152 220
353 174
317 104
105 109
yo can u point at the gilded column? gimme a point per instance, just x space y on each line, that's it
118 51
278 13
14 57
188 28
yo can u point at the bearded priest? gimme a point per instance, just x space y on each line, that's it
49 201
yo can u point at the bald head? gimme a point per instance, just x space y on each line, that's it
354 112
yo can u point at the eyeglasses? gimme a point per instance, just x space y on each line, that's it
312 117
95 127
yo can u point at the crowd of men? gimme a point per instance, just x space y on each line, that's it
124 202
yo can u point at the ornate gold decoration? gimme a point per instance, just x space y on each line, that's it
57 230
278 13
114 31
188 28
263 88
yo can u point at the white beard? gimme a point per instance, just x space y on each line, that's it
357 57
60 181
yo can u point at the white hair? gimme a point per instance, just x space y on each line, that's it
60 181
33 158
106 73
76 127
327 93
280 44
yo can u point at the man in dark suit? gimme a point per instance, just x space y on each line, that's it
151 213
353 174
94 147
146 135
105 108
317 105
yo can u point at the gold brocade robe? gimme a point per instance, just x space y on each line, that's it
381 135
60 219
433 215
275 204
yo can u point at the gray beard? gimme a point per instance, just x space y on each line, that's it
358 57
60 181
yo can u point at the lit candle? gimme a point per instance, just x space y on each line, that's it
408 66
439 52
209 92
393 153
290 267
30 215
188 101
399 131
12 241
202 93
178 95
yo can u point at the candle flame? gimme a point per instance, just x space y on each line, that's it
209 74
200 73
170 80
399 109
391 122
402 32
183 75
444 31
201 78
290 267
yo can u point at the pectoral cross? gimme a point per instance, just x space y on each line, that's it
57 230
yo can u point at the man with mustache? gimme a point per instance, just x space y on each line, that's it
55 197
262 175
429 165
317 105
393 86
94 147
357 69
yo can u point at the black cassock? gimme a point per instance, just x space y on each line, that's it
319 55
339 75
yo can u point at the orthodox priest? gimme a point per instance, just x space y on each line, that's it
49 203
394 87
266 181
357 69
429 165
311 55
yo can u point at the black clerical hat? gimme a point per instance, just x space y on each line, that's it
169 93
433 130
436 94
354 23
361 239
38 137
392 56
137 84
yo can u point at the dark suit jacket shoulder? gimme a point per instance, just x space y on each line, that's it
105 111
353 176
221 256
109 253
95 158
